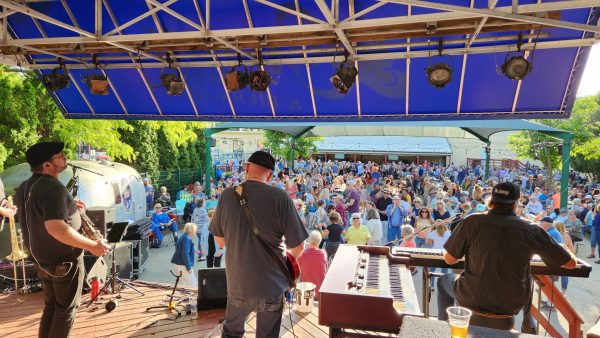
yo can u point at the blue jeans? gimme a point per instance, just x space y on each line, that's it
595 236
393 233
158 234
268 315
432 270
564 282
445 295
420 242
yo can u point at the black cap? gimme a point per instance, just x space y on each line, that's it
547 219
263 159
42 152
505 192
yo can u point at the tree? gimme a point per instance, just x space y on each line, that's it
584 123
280 144
28 115
167 150
143 139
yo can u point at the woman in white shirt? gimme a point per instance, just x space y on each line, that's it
374 225
437 239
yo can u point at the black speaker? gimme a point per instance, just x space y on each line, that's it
123 259
212 289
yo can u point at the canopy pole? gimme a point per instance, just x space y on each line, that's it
488 151
208 133
564 175
293 155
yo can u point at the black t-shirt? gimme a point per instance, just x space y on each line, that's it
437 215
382 204
39 199
335 232
251 271
498 247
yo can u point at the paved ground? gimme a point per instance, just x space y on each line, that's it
583 293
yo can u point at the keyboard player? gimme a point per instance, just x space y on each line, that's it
497 247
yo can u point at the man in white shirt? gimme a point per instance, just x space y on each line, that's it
534 206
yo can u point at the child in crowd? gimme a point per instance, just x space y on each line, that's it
407 233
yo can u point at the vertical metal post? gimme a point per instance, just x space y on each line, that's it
566 165
293 155
207 160
488 151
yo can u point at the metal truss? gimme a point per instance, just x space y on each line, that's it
211 45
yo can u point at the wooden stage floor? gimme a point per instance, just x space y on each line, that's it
130 318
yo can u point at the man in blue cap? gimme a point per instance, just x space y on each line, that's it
50 223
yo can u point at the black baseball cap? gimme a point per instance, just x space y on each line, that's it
547 219
42 152
263 159
505 192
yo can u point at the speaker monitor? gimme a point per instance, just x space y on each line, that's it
123 259
102 217
212 289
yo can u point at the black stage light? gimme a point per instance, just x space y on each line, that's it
344 78
97 83
172 83
439 75
516 67
56 81
260 80
236 80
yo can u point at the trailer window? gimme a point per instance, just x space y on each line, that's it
116 192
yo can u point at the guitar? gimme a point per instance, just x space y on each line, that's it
293 268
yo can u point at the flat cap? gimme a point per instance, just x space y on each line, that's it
263 159
42 152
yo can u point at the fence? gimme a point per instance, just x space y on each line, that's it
175 179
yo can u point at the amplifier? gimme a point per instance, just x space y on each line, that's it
140 255
102 217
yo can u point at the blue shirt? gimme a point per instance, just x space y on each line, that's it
555 235
397 219
184 252
158 219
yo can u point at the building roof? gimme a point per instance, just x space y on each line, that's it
396 145
301 44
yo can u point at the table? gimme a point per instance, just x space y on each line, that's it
421 327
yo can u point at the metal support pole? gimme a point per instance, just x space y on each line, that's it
488 151
566 165
293 155
208 133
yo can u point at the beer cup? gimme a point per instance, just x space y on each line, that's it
458 318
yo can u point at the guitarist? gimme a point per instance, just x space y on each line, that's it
255 282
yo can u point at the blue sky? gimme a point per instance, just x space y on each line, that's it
590 83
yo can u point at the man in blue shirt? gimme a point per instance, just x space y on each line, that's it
395 215
548 224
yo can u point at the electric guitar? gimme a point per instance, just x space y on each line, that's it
293 268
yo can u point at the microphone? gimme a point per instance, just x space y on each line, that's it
74 166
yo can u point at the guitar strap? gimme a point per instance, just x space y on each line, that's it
240 194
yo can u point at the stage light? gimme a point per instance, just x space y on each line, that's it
97 83
439 75
344 78
56 81
515 66
173 84
236 80
260 80
171 79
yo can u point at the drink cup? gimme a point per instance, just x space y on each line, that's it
458 318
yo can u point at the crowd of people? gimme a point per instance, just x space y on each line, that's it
401 204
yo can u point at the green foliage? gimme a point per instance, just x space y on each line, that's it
280 144
584 123
143 139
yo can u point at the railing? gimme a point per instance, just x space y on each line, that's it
562 306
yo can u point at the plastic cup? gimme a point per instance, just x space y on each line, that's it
458 318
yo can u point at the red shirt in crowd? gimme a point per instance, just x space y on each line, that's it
313 265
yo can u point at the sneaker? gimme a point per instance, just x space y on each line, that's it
597 262
590 256
547 305
202 258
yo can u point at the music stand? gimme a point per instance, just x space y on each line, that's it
113 237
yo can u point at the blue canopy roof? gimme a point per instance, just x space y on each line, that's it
389 42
